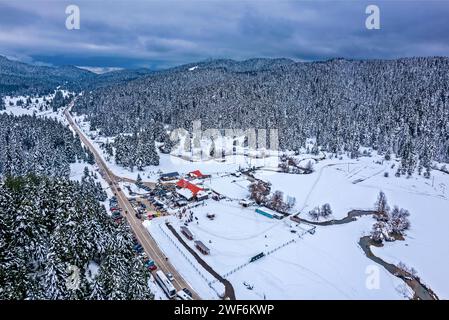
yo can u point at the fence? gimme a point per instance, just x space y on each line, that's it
280 247
268 253
247 263
194 265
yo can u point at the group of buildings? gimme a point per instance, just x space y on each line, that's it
187 187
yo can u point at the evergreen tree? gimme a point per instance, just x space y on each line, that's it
50 224
2 103
139 181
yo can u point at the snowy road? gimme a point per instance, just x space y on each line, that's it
144 238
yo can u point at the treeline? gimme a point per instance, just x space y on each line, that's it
58 243
138 150
37 145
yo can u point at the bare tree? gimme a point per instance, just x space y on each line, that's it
259 191
315 213
377 233
398 220
277 201
381 207
326 210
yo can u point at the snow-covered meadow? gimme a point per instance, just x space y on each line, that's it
40 106
329 264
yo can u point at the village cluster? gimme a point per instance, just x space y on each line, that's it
178 195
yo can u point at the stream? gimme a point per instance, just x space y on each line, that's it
421 292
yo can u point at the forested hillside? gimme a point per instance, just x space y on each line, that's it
51 227
34 145
20 78
398 106
51 230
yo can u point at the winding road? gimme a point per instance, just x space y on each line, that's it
143 236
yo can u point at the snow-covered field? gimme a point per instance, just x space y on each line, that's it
229 186
329 264
326 265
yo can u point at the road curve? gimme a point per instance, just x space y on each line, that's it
143 236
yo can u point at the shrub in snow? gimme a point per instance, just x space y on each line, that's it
410 270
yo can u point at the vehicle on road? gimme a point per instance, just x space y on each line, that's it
170 277
187 291
153 267
181 295
165 284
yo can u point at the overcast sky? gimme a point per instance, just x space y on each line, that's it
159 34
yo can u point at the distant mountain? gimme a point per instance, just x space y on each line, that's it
21 78
118 76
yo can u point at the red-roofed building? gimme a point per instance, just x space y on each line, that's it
197 174
184 184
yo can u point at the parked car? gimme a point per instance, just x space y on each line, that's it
138 248
149 263
153 267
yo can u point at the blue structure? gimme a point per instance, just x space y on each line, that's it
264 213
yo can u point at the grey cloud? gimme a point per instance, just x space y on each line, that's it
163 33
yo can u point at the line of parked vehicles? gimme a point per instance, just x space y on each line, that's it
116 211
164 280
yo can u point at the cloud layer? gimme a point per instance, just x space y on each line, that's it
158 34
